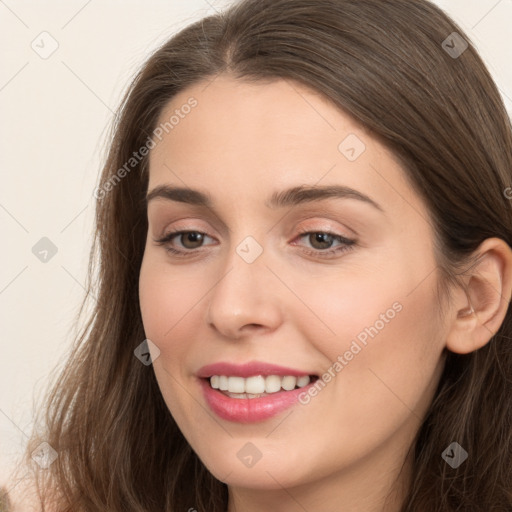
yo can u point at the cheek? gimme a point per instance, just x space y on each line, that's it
380 333
167 308
167 297
171 303
388 302
349 305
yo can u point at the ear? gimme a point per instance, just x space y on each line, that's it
480 308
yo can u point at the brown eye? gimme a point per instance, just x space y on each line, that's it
320 240
191 239
183 241
320 243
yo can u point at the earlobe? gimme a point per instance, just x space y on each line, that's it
479 309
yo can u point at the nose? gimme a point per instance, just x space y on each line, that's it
245 300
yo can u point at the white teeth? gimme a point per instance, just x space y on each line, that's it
289 383
272 383
223 383
236 385
303 381
257 385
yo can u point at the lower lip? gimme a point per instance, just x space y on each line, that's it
250 410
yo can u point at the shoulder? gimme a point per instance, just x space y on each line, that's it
20 496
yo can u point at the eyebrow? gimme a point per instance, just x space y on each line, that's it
279 199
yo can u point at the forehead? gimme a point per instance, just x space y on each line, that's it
247 121
256 138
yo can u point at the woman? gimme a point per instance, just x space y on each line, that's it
303 225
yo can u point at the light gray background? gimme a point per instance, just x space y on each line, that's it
54 113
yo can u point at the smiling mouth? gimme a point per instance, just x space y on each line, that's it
257 386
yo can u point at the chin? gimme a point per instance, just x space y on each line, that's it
258 479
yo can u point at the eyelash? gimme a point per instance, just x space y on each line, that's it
348 244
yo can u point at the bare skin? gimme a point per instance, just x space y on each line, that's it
291 306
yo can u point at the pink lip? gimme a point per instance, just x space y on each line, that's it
247 370
248 410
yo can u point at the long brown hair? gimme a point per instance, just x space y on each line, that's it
386 64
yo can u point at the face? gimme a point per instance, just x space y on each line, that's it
337 284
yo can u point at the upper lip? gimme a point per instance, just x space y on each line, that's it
249 369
